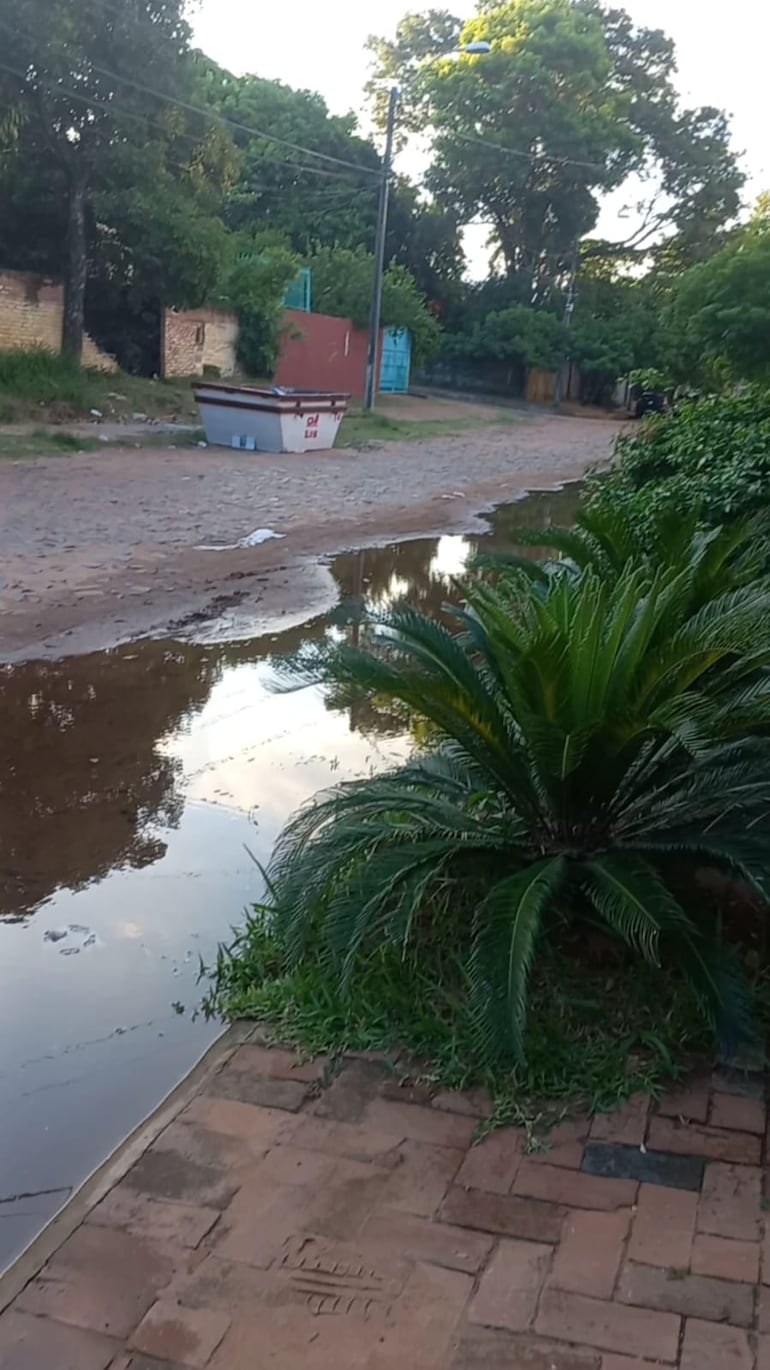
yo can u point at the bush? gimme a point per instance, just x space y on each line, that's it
595 742
708 456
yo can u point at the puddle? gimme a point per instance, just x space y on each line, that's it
136 787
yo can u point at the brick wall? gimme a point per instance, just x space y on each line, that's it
220 339
31 315
181 352
317 351
195 338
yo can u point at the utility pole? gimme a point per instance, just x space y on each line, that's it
379 254
569 306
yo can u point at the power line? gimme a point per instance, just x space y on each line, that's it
527 156
113 107
220 118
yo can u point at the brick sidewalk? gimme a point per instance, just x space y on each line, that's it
288 1220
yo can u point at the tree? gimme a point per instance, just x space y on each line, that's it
156 240
309 199
520 333
570 101
722 307
315 202
84 75
426 240
619 325
261 268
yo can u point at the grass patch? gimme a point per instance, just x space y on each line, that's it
58 442
358 428
596 1035
40 385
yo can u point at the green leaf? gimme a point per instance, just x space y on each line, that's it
506 927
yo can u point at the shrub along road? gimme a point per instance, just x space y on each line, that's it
104 546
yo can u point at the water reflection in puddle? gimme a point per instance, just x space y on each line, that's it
132 783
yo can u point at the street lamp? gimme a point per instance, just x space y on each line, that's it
471 49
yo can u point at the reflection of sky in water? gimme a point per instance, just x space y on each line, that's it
131 785
450 557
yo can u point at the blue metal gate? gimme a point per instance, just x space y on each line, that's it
396 360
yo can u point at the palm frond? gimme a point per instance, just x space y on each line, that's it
506 927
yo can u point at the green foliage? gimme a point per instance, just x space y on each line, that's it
571 101
42 377
596 1034
272 189
723 308
519 333
710 456
604 536
71 75
261 268
332 206
342 286
596 741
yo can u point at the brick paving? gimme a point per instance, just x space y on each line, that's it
320 1216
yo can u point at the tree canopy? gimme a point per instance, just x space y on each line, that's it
144 175
571 100
81 83
722 309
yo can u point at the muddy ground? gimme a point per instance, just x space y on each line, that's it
101 547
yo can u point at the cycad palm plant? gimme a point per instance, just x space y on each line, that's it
596 741
606 537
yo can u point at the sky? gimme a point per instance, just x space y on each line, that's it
723 60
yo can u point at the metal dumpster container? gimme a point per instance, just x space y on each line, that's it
269 420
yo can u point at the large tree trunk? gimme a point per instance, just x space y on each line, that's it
75 279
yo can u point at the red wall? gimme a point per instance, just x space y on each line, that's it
328 354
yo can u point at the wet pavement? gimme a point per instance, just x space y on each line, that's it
132 783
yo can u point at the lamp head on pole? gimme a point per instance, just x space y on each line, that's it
475 49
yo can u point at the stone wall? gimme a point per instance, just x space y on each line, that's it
31 315
196 338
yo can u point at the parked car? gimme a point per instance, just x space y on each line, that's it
648 402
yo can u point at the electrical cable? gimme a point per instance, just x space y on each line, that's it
220 118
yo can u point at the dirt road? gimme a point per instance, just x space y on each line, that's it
101 547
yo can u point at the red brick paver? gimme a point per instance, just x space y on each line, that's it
718 1144
303 1214
510 1287
575 1189
730 1204
663 1227
739 1115
492 1164
589 1254
627 1124
186 1336
608 1326
725 1259
708 1346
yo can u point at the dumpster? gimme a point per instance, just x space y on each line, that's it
269 420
